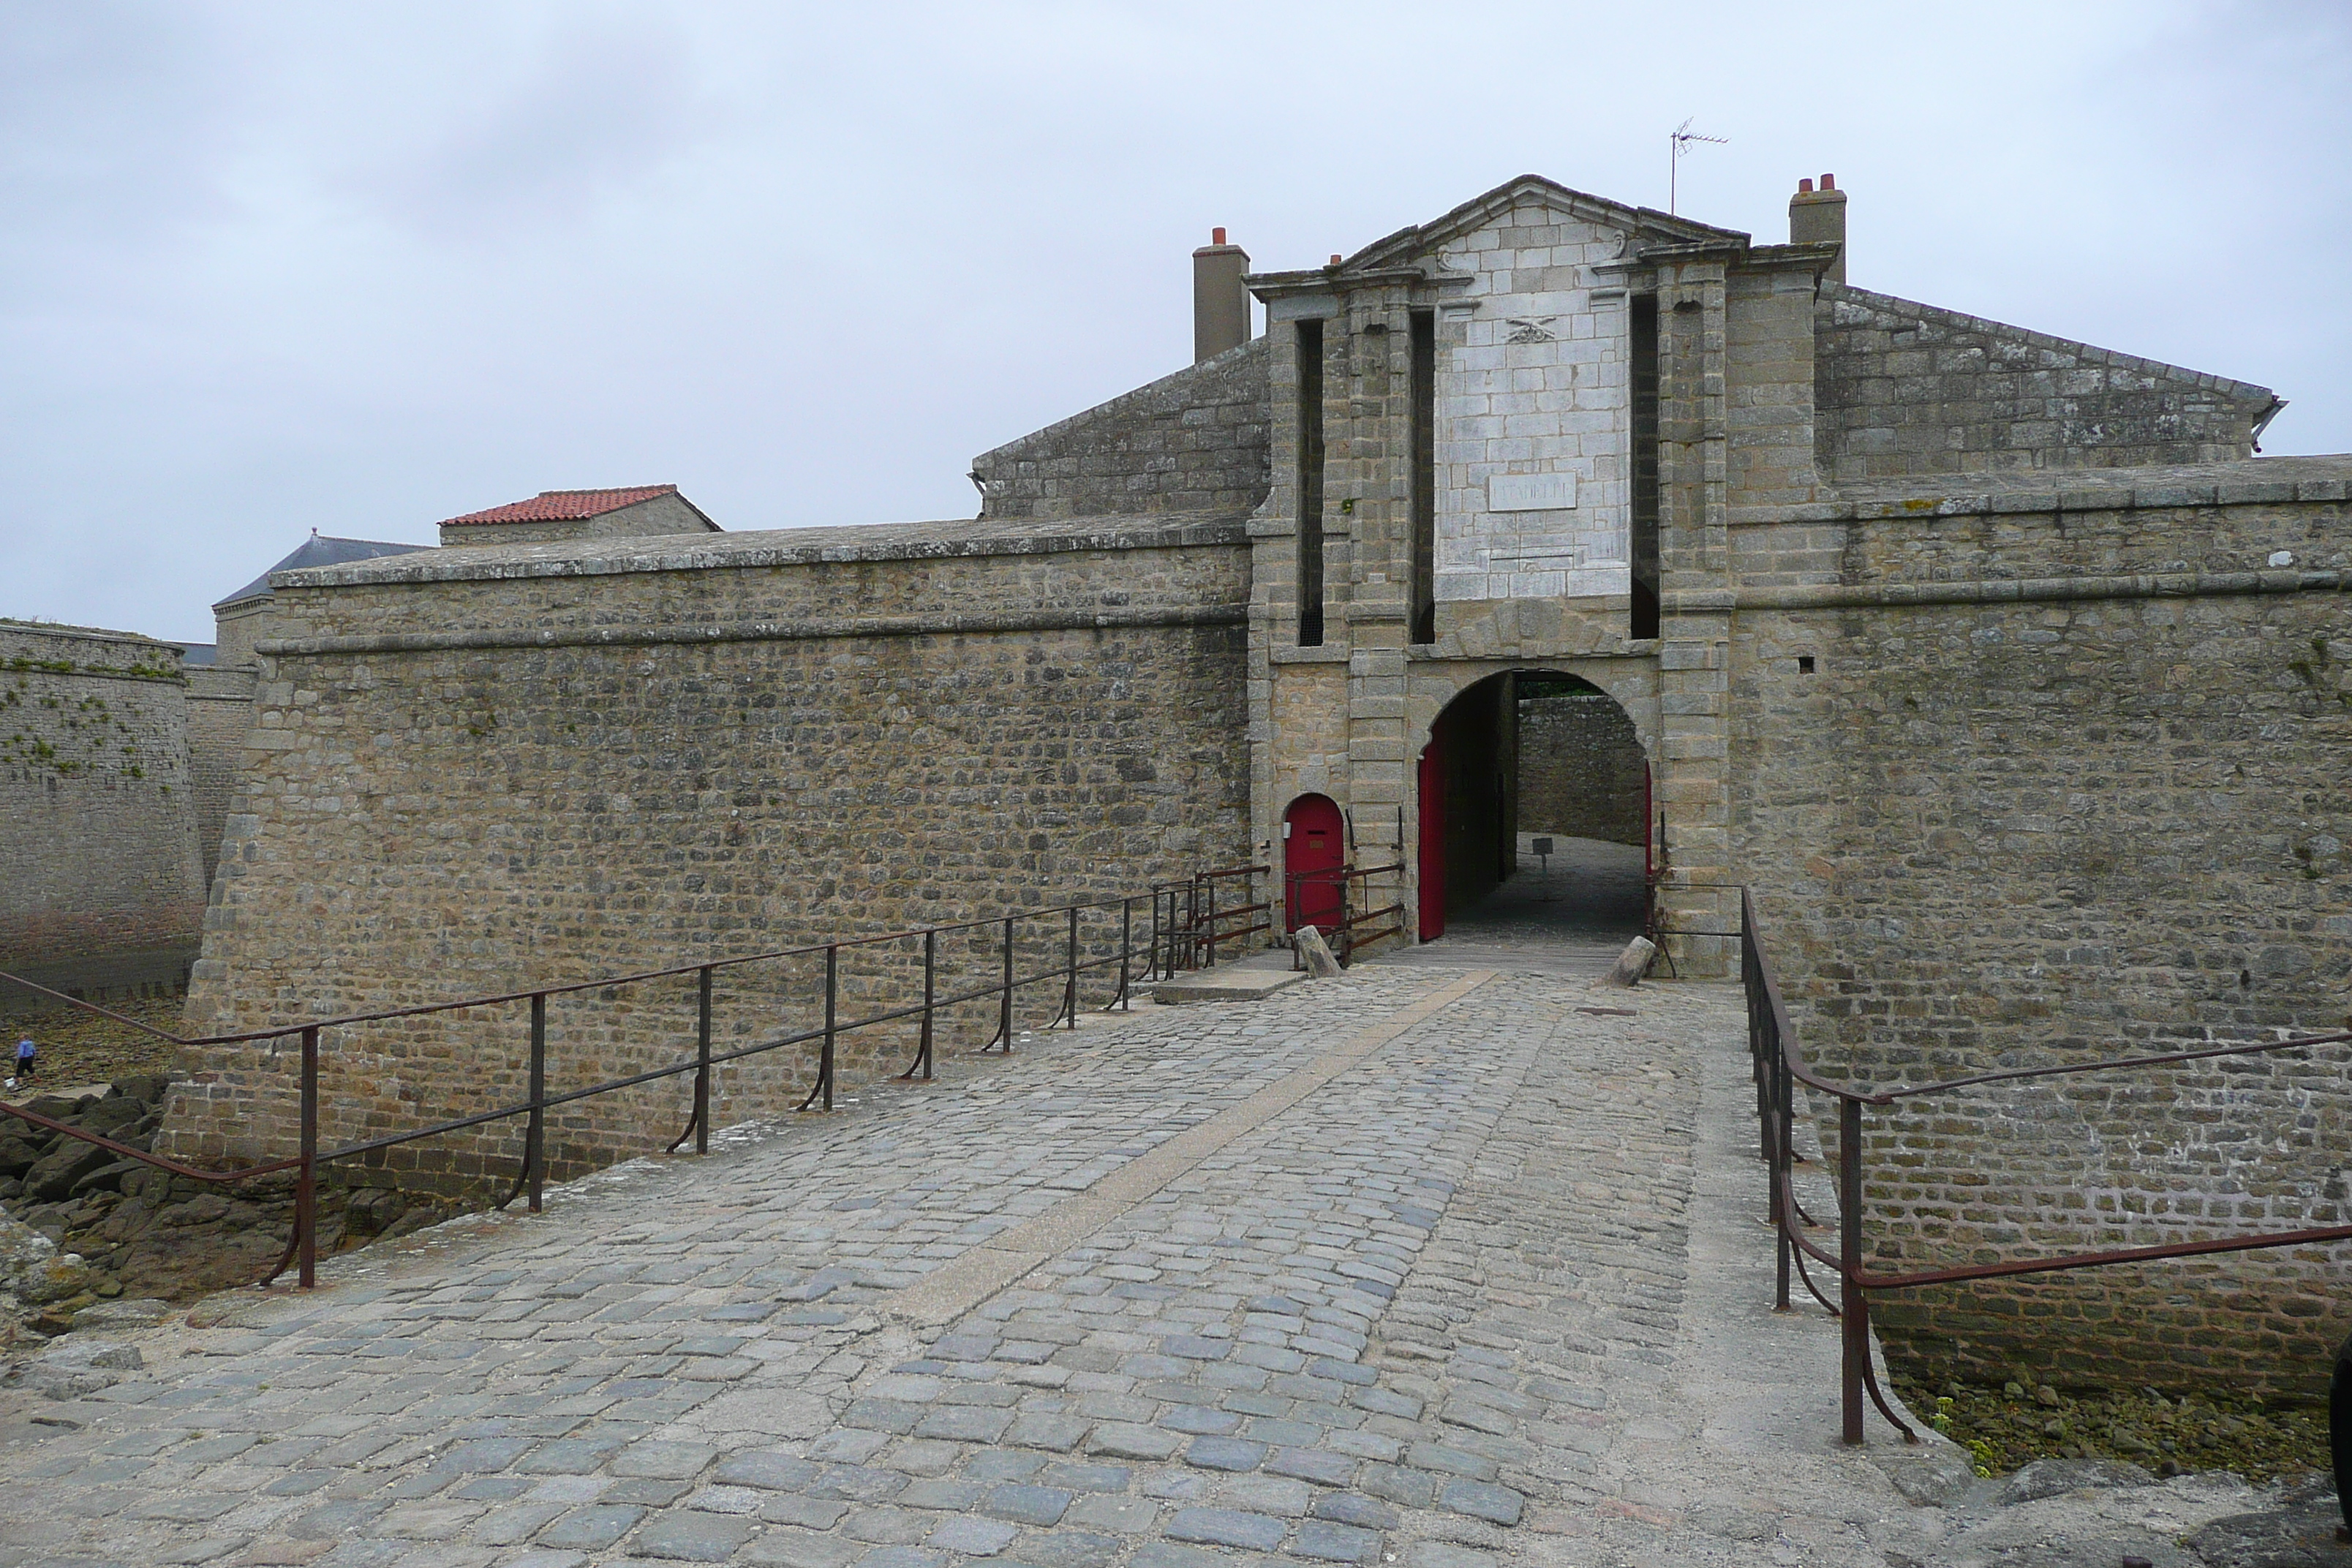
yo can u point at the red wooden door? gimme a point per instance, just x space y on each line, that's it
1314 848
1433 843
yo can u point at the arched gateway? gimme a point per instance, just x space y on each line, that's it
1533 809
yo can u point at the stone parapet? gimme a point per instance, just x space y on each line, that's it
1908 389
1195 439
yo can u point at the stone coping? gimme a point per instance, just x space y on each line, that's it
1834 294
2003 590
12 628
2254 481
781 547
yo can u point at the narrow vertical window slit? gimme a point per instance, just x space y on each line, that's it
1310 484
1425 476
1642 521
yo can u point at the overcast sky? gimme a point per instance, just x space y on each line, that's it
272 268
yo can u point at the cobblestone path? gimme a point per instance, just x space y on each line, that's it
1386 1270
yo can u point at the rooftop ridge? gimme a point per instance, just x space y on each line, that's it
563 506
1945 315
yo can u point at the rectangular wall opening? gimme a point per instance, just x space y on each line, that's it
1310 484
1642 521
1425 476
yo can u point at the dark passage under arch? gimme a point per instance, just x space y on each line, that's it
1525 761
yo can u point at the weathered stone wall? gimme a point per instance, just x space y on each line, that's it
99 875
1580 768
1193 441
2067 780
1906 389
478 772
220 711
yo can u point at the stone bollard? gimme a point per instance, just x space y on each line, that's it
1633 962
1320 964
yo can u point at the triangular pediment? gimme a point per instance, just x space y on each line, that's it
1408 245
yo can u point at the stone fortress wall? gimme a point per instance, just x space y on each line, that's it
1580 768
100 879
480 770
2067 780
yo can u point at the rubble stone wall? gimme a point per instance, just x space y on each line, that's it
478 771
1580 768
98 828
2065 782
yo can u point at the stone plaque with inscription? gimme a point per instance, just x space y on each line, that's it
1530 493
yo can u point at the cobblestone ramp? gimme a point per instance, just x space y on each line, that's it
1386 1270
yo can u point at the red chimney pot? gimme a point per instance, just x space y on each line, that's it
1804 187
1336 258
1829 182
1216 237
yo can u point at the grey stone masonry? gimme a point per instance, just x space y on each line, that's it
98 812
1902 388
1579 769
1191 441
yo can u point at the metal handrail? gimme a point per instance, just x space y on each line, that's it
302 1246
1778 1065
1194 938
1350 937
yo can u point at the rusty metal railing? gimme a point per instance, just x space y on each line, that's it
1358 924
1190 918
1003 988
1779 1067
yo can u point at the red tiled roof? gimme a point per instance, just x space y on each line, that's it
564 506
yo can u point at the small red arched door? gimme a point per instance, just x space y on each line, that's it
1314 850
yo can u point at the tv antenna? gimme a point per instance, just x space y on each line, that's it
1681 140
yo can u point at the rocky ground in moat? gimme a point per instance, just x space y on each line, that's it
2008 1427
79 1048
138 1232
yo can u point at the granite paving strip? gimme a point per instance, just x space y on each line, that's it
1396 1272
950 1292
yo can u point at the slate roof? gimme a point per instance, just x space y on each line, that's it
317 551
564 506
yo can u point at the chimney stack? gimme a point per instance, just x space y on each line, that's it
1817 217
1221 305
